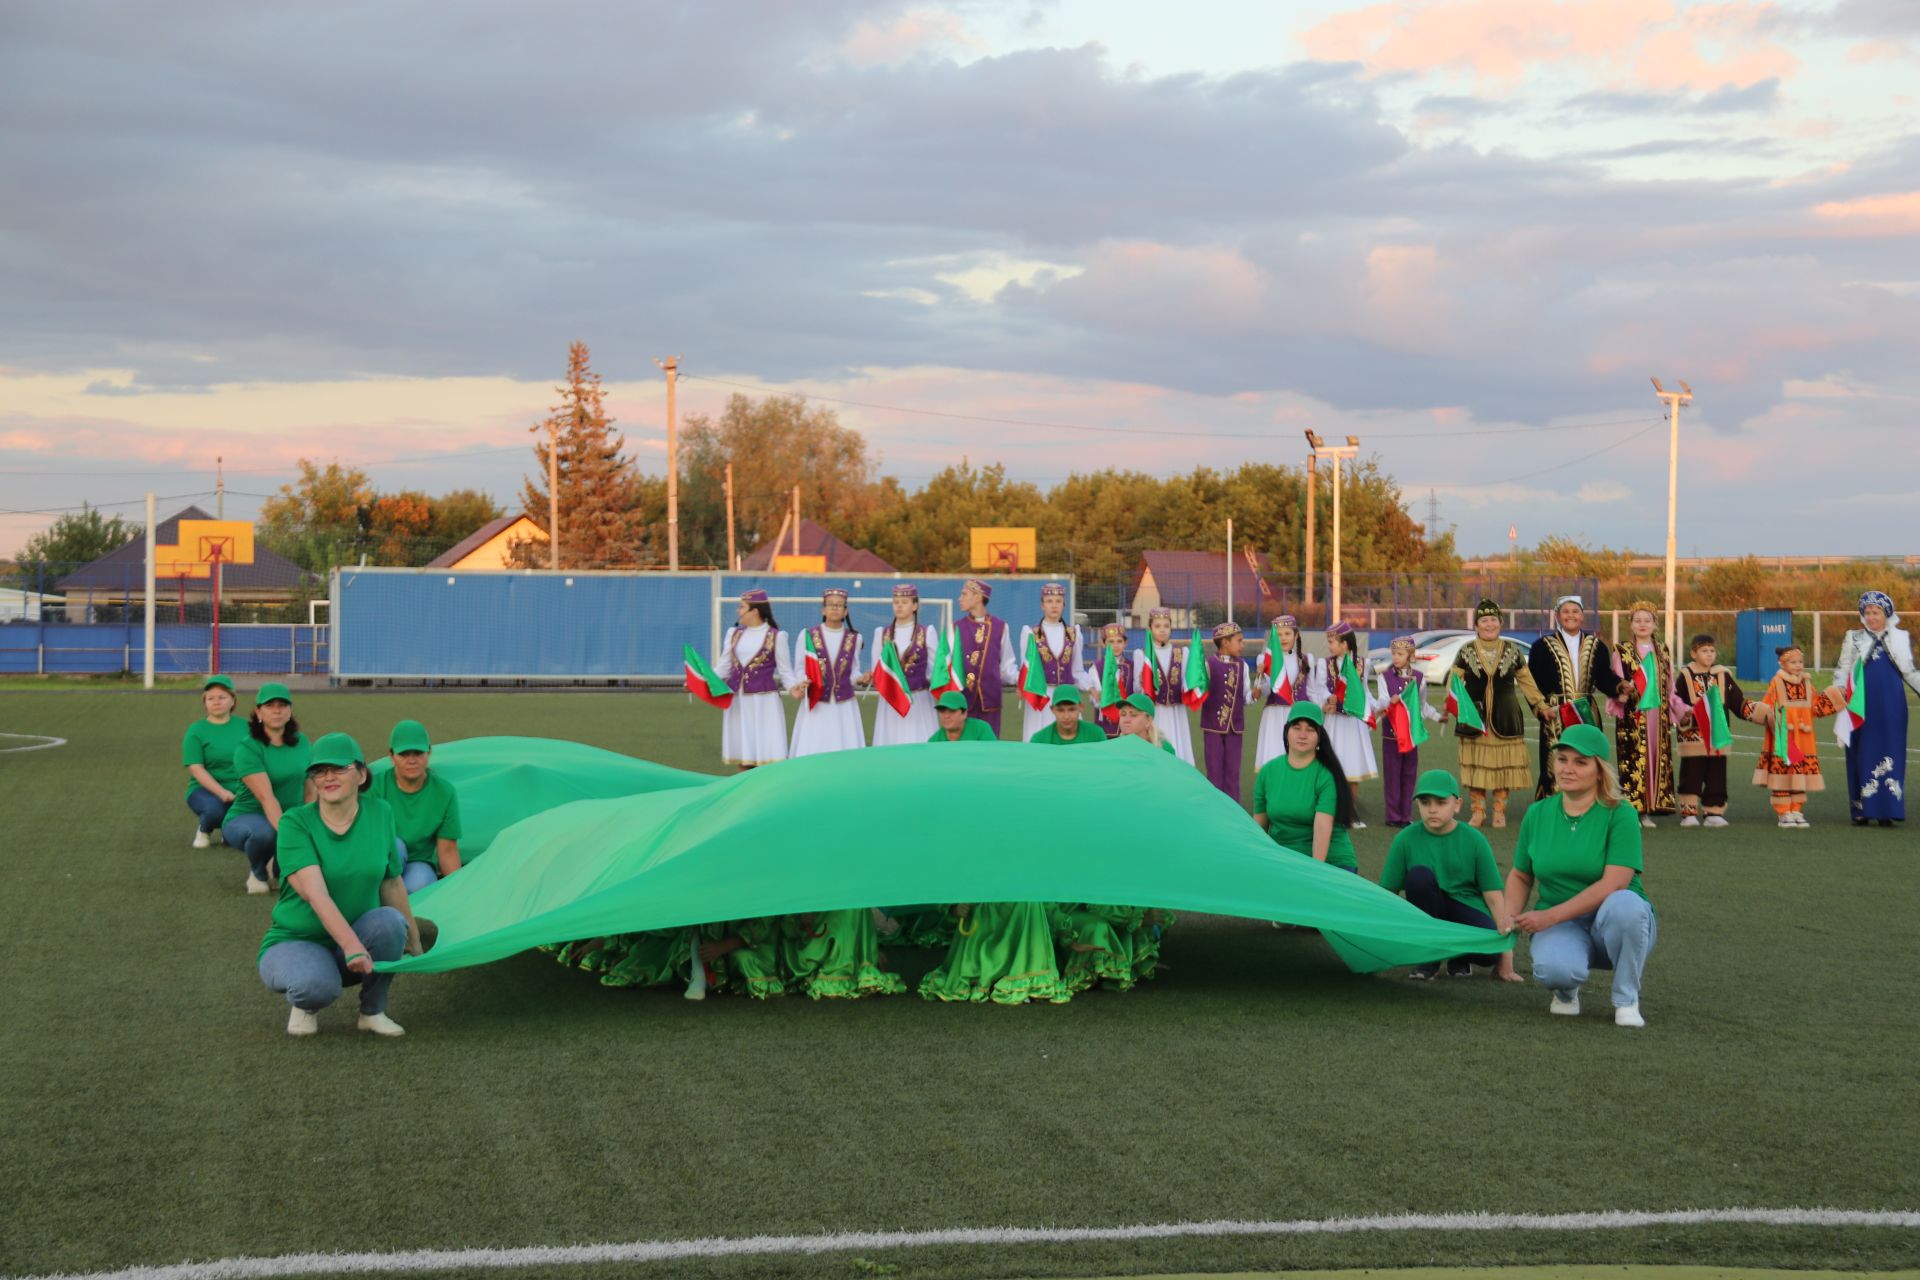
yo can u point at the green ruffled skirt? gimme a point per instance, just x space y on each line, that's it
836 956
1003 952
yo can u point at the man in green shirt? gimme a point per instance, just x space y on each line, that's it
955 724
1067 729
426 812
1446 869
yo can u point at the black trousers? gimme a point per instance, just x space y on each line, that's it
1423 891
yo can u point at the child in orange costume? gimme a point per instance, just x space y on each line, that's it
1790 695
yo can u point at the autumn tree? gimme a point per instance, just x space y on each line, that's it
932 529
459 513
320 519
602 521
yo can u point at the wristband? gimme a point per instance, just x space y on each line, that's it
358 955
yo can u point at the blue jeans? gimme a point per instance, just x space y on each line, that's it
313 974
254 836
208 807
418 876
1423 891
1618 937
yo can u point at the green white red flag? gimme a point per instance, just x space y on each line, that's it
949 672
1461 707
1646 678
1350 691
890 677
1193 676
1784 747
702 683
1407 715
1857 693
811 666
1033 675
1109 684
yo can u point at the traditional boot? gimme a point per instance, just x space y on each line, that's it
1500 807
1479 800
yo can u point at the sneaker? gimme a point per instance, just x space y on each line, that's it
302 1022
1459 969
1647 823
1566 1004
1357 825
1786 820
255 884
1799 819
1715 820
381 1025
1628 1015
1424 973
1689 821
200 840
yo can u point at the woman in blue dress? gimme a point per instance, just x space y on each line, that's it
1877 746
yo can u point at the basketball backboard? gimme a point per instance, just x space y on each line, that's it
1009 550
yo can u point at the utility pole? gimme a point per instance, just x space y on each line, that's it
146 663
1674 399
1229 568
796 520
219 513
733 561
553 495
1313 482
672 366
1351 449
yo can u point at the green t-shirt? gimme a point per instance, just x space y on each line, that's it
1088 733
211 746
1290 798
285 767
428 815
1564 859
976 731
353 864
1461 861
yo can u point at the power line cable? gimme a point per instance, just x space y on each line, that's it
1558 466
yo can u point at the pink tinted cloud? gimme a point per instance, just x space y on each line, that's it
1896 214
916 31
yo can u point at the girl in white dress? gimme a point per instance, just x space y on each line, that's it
753 662
1284 684
1060 656
829 718
916 646
1157 673
1351 736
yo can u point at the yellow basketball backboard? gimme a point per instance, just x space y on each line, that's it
1010 550
178 562
227 541
799 564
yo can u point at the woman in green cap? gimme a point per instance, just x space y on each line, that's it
207 752
426 812
342 905
272 764
1302 798
1136 721
1580 850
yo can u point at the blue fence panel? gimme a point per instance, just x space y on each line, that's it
104 648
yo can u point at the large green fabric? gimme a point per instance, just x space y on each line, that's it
774 841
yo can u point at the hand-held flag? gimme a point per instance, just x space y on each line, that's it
702 683
810 665
1350 692
1193 676
949 671
1033 675
890 678
1461 707
1109 686
1407 715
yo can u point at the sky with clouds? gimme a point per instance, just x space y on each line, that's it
1145 236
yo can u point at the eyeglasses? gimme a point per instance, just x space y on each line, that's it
321 772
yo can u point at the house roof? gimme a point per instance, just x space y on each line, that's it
816 541
124 568
1187 578
479 538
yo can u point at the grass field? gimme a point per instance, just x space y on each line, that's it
154 1111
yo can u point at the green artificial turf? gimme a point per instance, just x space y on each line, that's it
153 1110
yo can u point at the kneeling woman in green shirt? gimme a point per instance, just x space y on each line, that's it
342 903
1302 798
1581 849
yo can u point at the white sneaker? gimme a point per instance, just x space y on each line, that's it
255 884
1628 1015
1689 821
1358 826
302 1022
381 1025
1647 823
1715 820
1786 820
1800 819
200 840
1566 1004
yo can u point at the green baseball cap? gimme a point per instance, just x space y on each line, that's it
1585 739
1139 702
1066 693
1307 711
1436 782
336 749
220 682
272 691
951 700
408 735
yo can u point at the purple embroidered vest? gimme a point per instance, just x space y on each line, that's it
836 672
980 642
1166 680
1057 666
1225 708
758 674
914 659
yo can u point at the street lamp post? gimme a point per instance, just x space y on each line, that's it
1351 449
1674 399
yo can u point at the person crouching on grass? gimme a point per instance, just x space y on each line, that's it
272 764
207 753
1580 847
1446 869
426 812
342 903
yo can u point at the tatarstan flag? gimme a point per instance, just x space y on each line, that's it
1033 675
702 683
890 679
1408 716
1648 683
946 675
1350 691
1193 676
1273 665
1783 744
1710 718
1857 693
1109 684
1461 707
810 667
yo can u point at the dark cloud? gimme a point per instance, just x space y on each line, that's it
1875 18
1761 95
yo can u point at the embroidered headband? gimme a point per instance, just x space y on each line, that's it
1287 620
1407 641
906 591
985 589
1486 609
833 595
1114 631
1880 598
1053 591
1154 615
1643 606
1226 631
1341 628
753 595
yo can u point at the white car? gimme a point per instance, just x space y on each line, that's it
1433 654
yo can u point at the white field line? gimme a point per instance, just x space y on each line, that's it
38 741
637 1251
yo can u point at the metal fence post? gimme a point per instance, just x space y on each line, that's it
1816 641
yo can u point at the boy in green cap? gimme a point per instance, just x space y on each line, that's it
426 812
955 725
1446 869
1067 729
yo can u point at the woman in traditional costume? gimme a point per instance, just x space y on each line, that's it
1351 735
1494 674
1876 660
1789 766
835 955
753 662
1643 744
1572 673
1285 673
1058 645
1113 641
914 645
1001 951
1156 672
826 670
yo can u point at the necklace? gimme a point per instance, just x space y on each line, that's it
1573 820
